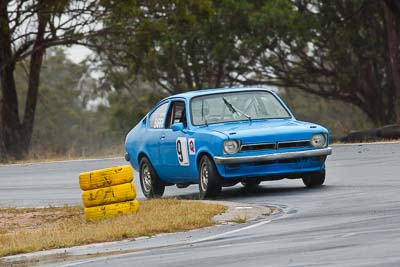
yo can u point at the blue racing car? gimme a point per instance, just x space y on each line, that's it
220 137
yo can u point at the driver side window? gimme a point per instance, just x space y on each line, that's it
177 113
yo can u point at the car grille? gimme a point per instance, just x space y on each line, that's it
275 145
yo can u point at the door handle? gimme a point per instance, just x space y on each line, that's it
162 137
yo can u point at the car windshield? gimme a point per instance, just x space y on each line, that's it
236 106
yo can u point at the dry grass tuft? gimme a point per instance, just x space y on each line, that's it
28 230
239 219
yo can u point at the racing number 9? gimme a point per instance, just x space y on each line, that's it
182 151
179 151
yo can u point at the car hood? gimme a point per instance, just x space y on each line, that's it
268 130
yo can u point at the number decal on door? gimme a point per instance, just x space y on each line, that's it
182 151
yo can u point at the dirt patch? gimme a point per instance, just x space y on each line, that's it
12 220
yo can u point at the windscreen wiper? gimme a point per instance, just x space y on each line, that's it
235 109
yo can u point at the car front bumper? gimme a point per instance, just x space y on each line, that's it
275 156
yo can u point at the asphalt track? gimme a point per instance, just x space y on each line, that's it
353 220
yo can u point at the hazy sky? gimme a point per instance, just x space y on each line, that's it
77 53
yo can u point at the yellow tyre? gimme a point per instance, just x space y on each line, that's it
109 195
105 177
111 210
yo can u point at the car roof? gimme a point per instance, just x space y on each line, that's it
191 94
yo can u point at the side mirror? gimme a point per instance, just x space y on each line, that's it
177 126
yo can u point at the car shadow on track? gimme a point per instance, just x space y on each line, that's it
264 190
260 191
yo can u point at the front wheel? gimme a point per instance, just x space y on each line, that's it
152 186
209 179
314 179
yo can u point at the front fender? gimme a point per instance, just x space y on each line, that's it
210 144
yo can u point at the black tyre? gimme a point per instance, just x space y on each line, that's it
251 185
152 186
209 179
314 179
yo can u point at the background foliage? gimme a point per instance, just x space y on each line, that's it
335 62
65 125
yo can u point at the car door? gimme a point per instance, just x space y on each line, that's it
155 134
174 145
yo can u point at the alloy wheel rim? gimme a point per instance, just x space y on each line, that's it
146 178
204 176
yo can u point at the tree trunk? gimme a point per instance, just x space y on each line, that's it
15 136
9 118
3 150
34 80
391 10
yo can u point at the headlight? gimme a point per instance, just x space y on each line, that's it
318 140
231 146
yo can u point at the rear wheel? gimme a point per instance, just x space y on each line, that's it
209 178
152 186
314 179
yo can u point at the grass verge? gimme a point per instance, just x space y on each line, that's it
29 230
383 140
42 155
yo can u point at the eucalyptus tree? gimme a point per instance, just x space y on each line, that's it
27 29
345 50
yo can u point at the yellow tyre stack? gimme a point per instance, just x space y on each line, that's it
108 192
105 177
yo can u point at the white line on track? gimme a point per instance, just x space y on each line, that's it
231 232
77 263
171 245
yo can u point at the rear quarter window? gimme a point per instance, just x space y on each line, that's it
157 118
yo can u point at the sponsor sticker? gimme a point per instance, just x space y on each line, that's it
192 146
